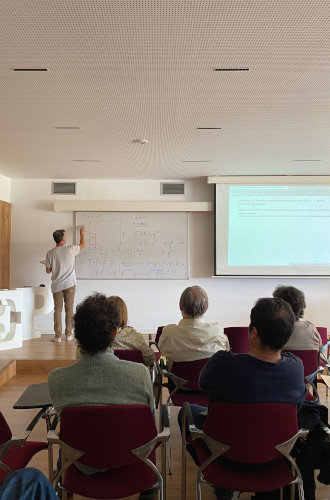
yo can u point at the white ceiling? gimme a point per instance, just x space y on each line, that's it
144 69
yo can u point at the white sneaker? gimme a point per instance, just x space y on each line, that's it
69 337
56 339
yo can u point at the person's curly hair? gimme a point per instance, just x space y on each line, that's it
95 322
295 297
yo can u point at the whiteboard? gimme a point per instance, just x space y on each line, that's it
133 245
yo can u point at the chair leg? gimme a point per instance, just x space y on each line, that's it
183 458
164 468
169 447
162 493
50 450
198 488
301 492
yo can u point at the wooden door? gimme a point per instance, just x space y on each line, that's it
5 234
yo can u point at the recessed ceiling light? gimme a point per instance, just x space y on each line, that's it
140 141
30 69
90 161
67 128
209 128
306 160
196 161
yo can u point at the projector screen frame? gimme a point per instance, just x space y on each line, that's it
242 271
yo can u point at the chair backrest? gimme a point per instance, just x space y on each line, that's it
129 355
310 360
252 430
158 334
238 337
189 370
5 432
323 331
107 434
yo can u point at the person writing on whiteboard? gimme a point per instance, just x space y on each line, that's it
192 338
60 262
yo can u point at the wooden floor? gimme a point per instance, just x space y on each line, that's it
41 350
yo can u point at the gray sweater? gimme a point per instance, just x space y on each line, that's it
100 379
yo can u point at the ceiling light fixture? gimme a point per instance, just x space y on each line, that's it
140 141
67 128
209 128
90 161
231 69
30 69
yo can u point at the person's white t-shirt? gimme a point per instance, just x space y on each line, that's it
62 260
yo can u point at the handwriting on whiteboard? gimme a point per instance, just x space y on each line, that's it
127 245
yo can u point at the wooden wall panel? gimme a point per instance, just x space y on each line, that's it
5 235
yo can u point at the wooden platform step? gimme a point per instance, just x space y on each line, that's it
44 366
7 370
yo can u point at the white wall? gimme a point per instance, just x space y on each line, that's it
150 303
4 189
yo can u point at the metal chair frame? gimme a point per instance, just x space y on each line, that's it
71 455
217 449
19 441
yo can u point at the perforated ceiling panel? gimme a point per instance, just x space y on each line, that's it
125 70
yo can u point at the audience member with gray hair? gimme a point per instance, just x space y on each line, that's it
192 338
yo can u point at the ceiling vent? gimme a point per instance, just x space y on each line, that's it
172 188
63 188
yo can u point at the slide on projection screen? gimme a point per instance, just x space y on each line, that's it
272 230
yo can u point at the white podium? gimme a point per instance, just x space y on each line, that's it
18 308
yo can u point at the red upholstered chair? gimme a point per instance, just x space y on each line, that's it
158 379
118 438
310 361
238 337
255 433
16 452
183 386
323 331
155 343
158 334
324 353
134 355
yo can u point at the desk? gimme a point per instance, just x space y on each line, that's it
37 396
34 396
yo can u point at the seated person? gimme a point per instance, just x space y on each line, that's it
127 337
305 336
193 338
263 375
27 484
99 377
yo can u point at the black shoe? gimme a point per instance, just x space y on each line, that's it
148 494
222 494
60 489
